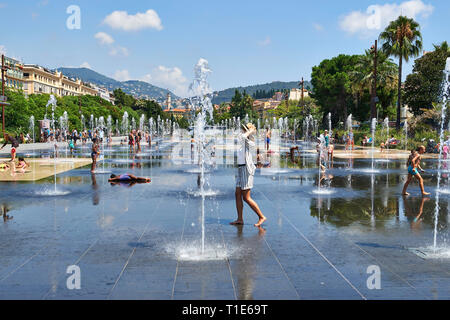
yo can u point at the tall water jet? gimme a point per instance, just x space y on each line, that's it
373 128
386 125
125 123
83 126
445 100
31 127
92 124
109 125
349 129
142 122
201 101
405 129
52 101
329 125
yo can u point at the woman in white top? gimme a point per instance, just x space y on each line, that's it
244 176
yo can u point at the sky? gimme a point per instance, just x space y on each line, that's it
246 42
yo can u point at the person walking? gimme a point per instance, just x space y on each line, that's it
244 176
414 164
14 145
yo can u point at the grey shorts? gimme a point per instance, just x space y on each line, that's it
244 180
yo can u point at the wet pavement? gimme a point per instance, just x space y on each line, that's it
144 241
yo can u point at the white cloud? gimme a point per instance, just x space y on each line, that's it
122 75
2 50
104 38
114 50
85 65
264 43
119 51
377 17
317 26
123 21
168 78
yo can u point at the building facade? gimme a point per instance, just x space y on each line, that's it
262 106
296 94
178 113
13 73
38 80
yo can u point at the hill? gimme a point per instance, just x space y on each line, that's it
227 95
138 89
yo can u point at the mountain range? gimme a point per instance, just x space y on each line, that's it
136 88
227 95
141 89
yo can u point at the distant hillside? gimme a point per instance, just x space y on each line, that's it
227 95
139 89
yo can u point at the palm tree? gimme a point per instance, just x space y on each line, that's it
362 76
401 39
443 46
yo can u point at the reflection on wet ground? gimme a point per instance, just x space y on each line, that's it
141 241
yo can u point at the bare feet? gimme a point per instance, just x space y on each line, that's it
425 194
261 221
405 194
237 223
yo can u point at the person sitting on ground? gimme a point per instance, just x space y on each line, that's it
22 165
365 141
128 177
391 141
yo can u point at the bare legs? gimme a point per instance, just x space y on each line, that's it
244 195
408 181
239 207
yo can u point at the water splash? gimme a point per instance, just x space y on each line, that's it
445 99
201 101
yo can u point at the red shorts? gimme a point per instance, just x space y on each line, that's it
13 150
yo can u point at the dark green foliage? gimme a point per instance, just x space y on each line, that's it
424 86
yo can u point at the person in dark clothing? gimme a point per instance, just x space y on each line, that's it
14 145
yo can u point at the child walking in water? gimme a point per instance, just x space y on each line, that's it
414 164
244 177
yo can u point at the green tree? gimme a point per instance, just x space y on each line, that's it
402 39
331 82
423 87
363 76
123 99
241 104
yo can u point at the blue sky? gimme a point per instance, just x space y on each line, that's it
246 42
